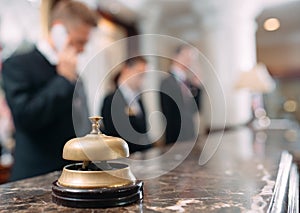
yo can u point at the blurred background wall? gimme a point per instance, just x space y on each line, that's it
233 36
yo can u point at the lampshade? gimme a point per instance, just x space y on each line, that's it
257 79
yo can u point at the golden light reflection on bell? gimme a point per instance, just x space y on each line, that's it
97 181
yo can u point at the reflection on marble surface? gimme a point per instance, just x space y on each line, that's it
238 178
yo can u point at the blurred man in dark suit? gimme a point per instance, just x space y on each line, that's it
180 98
123 111
39 87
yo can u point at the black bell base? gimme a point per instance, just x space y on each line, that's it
97 197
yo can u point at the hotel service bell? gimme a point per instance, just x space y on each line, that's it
98 180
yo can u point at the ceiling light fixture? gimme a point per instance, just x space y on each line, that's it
271 24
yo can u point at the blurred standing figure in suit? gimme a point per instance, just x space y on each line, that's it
40 84
180 98
123 111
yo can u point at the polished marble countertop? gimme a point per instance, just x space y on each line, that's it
239 177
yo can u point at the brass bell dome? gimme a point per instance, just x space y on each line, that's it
95 146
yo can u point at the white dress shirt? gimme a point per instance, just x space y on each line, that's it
131 98
47 51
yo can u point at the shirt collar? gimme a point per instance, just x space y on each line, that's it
178 73
47 51
129 95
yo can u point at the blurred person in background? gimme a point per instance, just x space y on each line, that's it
123 111
7 142
180 97
39 87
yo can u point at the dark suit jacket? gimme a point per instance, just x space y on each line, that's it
41 105
120 121
178 110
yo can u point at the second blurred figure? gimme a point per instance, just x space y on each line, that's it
123 111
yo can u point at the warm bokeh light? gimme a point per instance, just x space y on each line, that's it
290 106
271 24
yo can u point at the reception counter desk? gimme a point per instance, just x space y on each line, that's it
241 171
